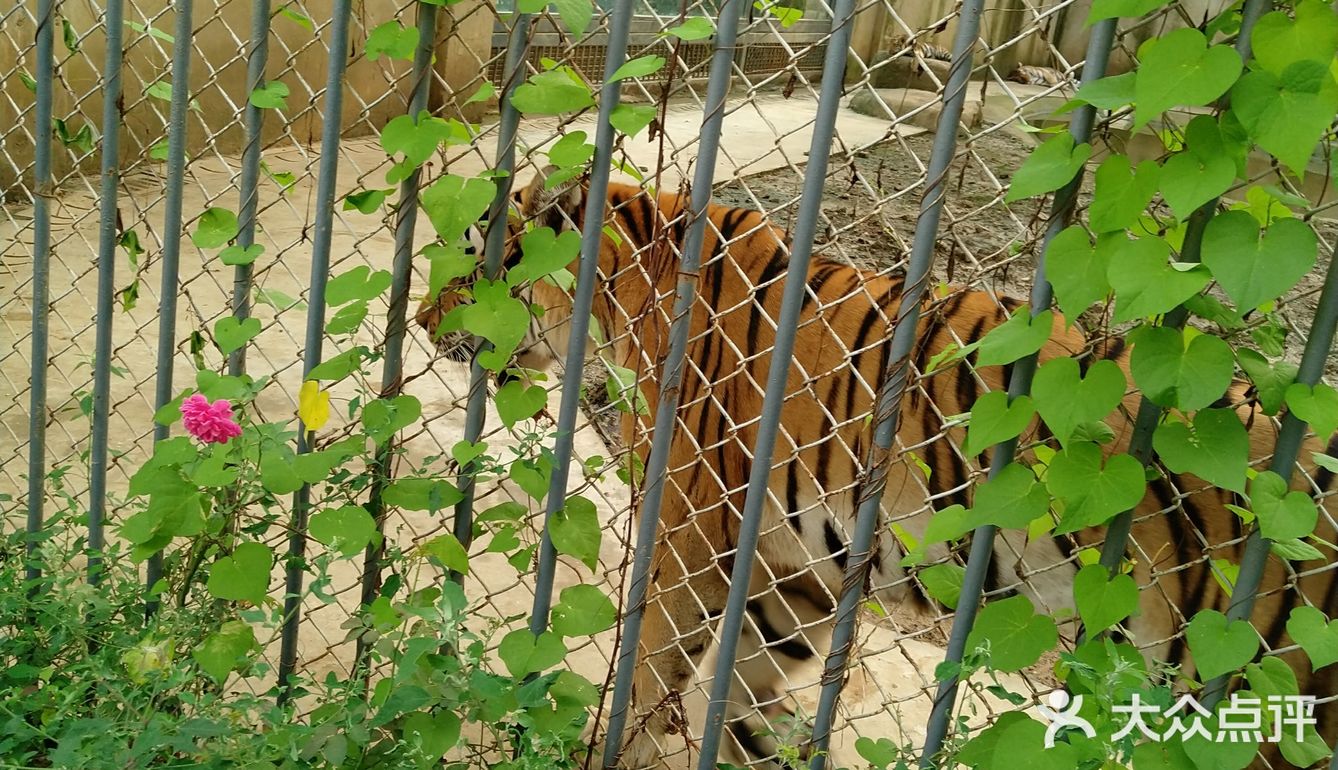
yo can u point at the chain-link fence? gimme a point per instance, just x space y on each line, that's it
850 127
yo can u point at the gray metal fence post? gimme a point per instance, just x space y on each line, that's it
42 192
311 355
113 22
508 121
896 376
392 366
592 232
778 374
254 118
982 540
685 296
171 260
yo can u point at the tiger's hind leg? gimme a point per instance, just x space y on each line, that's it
687 595
782 649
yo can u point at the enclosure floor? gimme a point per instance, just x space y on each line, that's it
761 134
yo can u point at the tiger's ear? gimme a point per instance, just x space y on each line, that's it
554 206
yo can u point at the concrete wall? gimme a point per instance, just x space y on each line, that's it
375 91
1062 30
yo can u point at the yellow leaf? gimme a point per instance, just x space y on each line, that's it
313 405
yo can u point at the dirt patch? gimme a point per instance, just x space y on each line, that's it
871 203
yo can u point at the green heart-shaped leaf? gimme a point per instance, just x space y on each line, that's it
515 402
1287 114
1049 167
497 317
543 253
1216 448
226 648
272 96
231 333
237 254
348 530
524 653
454 203
243 576
531 476
422 494
1103 601
1066 399
1121 193
943 582
1173 374
1252 269
433 734
576 14
1179 68
1145 282
1270 380
1077 270
1283 514
575 530
1278 41
1316 634
1019 336
1093 494
415 139
551 93
1220 647
993 419
1200 173
360 283
1012 499
385 417
583 610
448 552
215 227
1015 634
1316 405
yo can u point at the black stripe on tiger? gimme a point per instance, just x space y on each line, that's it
772 639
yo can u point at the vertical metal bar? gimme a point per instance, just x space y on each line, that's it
254 118
112 23
592 232
1145 422
167 291
392 367
888 413
666 410
42 191
517 45
1317 348
778 374
320 273
982 540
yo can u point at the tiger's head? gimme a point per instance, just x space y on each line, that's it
532 206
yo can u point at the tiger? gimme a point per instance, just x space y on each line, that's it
1038 76
905 46
841 351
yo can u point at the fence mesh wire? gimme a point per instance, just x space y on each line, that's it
1024 69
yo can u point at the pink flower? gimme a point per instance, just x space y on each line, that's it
210 423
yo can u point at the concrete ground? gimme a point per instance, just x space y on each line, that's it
761 134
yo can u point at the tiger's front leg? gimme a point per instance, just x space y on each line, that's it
687 594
